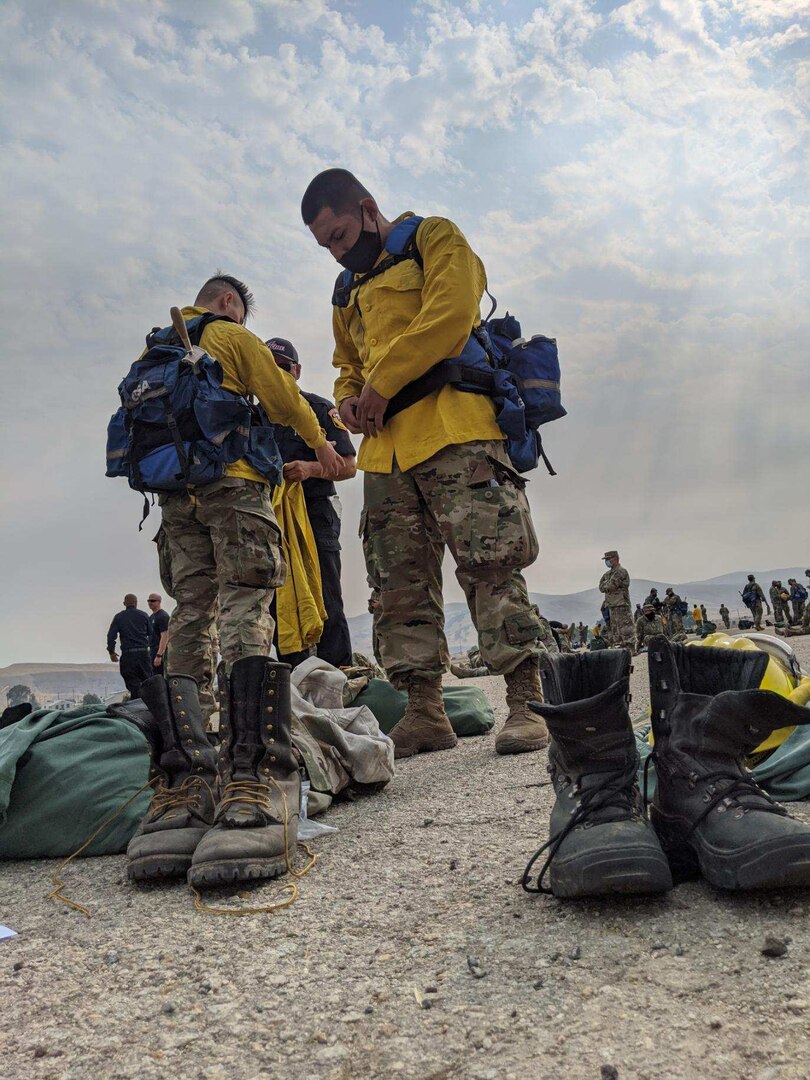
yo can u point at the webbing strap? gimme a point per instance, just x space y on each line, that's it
441 375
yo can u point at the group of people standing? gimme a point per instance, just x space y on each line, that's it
143 641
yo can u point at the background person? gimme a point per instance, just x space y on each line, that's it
159 628
132 627
323 506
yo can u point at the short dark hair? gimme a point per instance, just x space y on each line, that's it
335 189
130 600
221 283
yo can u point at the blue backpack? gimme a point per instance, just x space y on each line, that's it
521 376
177 429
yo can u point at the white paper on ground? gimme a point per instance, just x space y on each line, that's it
5 932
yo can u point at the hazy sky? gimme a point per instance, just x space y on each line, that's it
632 174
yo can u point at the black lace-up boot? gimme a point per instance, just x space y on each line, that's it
256 826
709 813
600 840
182 809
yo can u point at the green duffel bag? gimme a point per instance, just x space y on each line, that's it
62 773
467 707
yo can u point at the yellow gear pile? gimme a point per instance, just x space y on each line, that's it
782 675
300 612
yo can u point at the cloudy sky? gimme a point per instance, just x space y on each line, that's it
632 174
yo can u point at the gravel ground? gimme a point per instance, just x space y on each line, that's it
369 973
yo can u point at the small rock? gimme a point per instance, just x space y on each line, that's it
431 989
774 947
369 1009
474 965
575 953
426 1003
453 864
608 1072
680 951
40 1052
111 957
657 945
715 1024
167 1008
513 1013
18 965
428 821
537 984
205 986
798 1007
199 948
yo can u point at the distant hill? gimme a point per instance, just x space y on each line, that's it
52 681
584 606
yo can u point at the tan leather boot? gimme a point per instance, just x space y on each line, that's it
524 730
425 726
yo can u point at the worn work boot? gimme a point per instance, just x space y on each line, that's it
256 825
424 726
182 809
524 730
601 842
710 814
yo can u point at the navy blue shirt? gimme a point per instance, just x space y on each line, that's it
132 626
293 448
158 624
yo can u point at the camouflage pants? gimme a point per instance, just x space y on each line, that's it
622 629
220 558
469 499
798 610
781 611
756 613
674 624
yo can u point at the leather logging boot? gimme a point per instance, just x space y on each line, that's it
710 814
601 842
523 730
256 824
424 726
182 808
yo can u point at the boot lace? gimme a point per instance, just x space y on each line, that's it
258 793
186 796
613 791
734 788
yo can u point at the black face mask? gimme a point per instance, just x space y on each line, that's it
365 251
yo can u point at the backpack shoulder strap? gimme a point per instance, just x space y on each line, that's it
400 245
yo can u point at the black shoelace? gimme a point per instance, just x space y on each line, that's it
615 791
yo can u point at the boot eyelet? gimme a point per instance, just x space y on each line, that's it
186 727
272 674
182 712
269 708
269 727
266 772
196 753
271 693
271 741
189 742
272 758
178 697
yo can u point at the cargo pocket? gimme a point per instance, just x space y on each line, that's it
164 553
523 628
259 558
500 534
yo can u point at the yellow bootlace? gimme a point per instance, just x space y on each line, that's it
256 792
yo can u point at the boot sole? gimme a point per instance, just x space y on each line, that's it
768 865
612 873
226 871
158 867
412 751
520 746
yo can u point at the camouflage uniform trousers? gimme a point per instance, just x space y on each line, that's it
622 629
648 628
799 608
468 498
756 614
220 558
674 624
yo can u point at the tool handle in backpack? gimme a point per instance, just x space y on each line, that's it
178 322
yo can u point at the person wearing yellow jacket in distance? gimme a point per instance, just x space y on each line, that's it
437 467
220 547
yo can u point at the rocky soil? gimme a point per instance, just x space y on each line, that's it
412 952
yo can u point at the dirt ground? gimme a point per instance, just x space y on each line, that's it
372 972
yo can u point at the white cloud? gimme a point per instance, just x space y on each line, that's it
634 182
